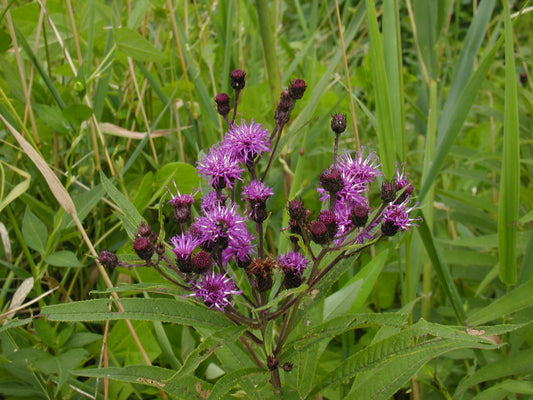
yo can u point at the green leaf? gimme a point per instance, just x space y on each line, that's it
53 117
516 300
132 219
34 232
352 296
509 198
517 363
228 381
385 366
177 311
135 46
77 113
63 258
207 347
503 389
188 387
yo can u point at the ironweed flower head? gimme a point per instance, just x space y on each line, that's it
401 182
297 89
256 191
220 167
215 290
223 106
293 262
184 245
108 259
223 228
396 218
182 205
246 141
238 80
338 123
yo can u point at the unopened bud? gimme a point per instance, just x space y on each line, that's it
338 123
237 79
297 89
108 259
143 247
223 106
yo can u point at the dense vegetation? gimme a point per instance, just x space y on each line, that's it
103 104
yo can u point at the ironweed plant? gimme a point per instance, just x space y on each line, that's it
219 257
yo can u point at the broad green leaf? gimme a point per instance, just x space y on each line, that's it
509 198
188 387
512 364
208 347
132 219
63 258
177 311
84 203
34 232
135 46
505 388
227 382
352 296
385 366
515 300
337 326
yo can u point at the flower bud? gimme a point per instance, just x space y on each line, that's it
388 228
144 248
223 106
297 89
319 232
331 180
523 78
272 363
388 192
201 262
359 215
297 211
329 219
108 259
287 367
144 230
338 123
237 77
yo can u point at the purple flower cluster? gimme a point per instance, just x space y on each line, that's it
215 290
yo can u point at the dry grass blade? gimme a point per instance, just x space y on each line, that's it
115 130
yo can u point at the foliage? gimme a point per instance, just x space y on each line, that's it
104 104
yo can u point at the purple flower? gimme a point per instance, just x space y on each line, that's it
359 171
221 167
256 192
246 141
184 245
401 182
215 290
211 200
225 228
182 205
293 262
396 218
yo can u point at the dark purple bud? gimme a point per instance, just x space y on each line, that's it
185 264
144 230
160 249
338 123
237 77
388 228
292 280
108 259
331 180
297 211
223 106
287 367
297 89
201 262
319 232
259 212
359 215
388 192
329 219
143 247
272 363
523 78
285 101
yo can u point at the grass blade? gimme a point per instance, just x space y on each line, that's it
510 172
